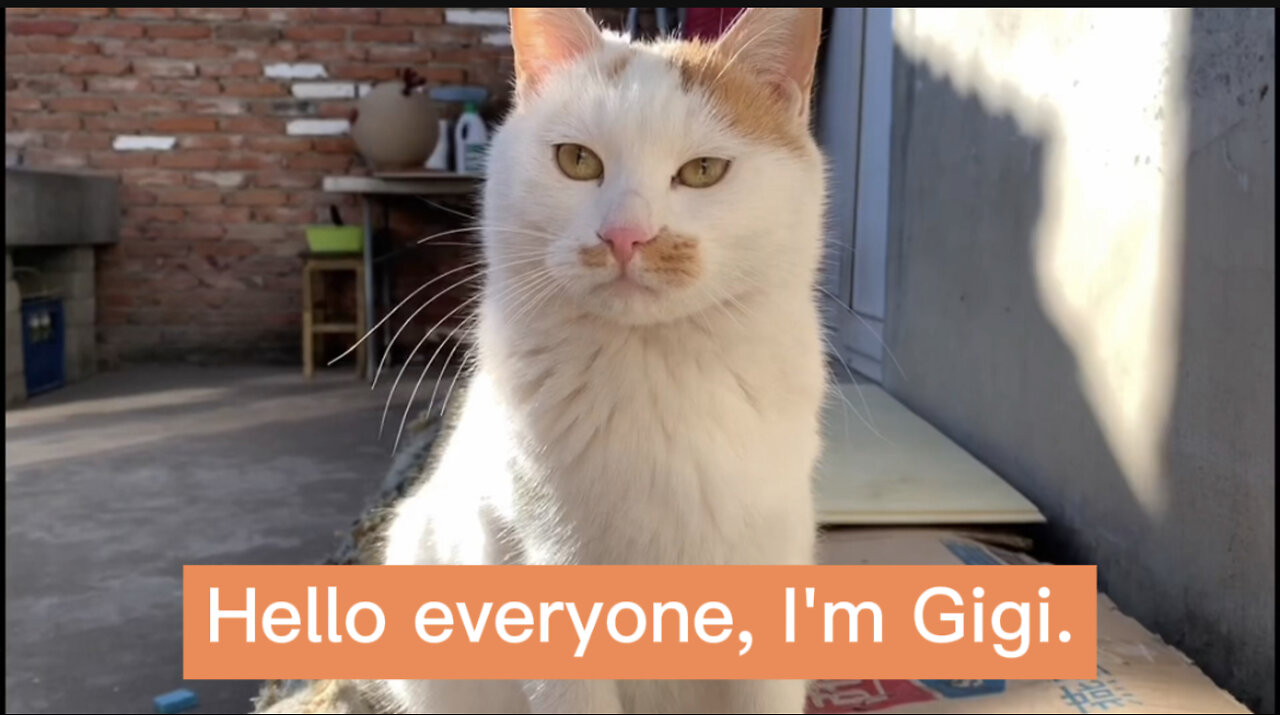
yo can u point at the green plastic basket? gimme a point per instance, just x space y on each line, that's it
335 239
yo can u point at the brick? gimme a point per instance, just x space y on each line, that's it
119 123
279 52
279 14
145 13
185 124
285 215
219 214
286 180
220 142
42 86
189 87
319 162
286 70
22 104
445 74
147 214
130 48
382 34
182 197
411 16
240 88
329 53
100 66
190 159
118 85
287 108
323 90
164 68
345 15
335 145
148 105
54 159
143 143
252 162
317 127
158 178
211 14
363 71
83 105
226 106
257 197
136 196
79 11
314 33
197 51
32 64
502 39
219 179
411 54
122 160
116 30
279 145
179 32
77 140
249 33
253 232
447 35
55 46
55 122
59 28
470 16
336 110
251 125
230 69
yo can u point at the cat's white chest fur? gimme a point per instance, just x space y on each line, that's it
689 443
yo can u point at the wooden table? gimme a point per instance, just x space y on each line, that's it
373 189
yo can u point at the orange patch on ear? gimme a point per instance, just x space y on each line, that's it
750 106
594 257
672 257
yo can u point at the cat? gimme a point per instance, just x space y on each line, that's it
649 367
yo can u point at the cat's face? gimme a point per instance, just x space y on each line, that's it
647 183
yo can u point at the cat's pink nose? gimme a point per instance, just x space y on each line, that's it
624 239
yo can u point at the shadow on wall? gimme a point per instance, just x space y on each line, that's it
1082 292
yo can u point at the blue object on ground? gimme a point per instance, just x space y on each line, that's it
176 701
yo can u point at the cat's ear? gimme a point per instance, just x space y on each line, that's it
543 38
778 45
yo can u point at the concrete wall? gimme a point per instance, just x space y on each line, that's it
1082 293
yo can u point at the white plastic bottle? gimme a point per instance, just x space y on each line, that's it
470 139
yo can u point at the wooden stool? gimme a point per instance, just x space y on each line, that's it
316 320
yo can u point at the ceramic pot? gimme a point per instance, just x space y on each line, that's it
394 126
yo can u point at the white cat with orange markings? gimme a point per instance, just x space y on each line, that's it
650 366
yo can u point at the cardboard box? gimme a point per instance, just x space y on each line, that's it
1137 671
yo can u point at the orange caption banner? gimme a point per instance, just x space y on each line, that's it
735 619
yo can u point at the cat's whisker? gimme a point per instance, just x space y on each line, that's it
869 420
484 271
416 348
866 325
431 403
385 318
408 406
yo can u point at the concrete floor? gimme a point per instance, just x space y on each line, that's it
113 484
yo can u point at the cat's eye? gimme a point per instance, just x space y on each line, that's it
702 172
578 162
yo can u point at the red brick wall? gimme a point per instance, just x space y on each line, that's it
207 263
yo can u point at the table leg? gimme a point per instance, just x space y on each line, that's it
371 312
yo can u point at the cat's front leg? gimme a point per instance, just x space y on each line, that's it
573 696
767 696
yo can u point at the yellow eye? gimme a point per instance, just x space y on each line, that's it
578 162
702 172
